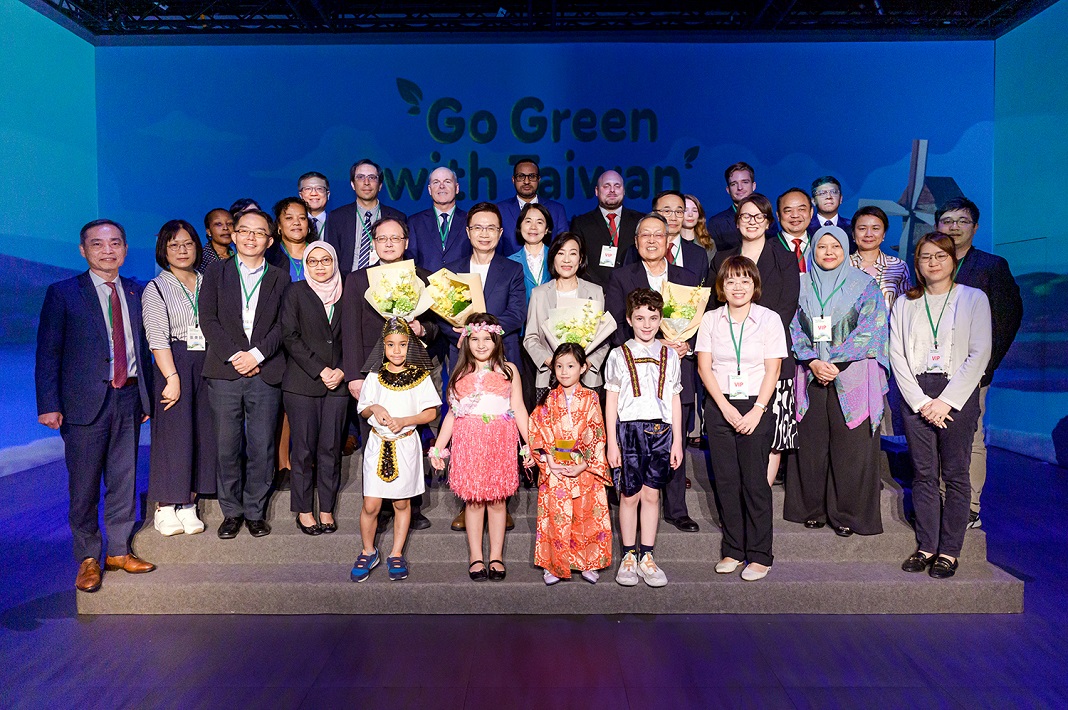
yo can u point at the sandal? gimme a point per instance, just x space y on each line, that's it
480 574
494 574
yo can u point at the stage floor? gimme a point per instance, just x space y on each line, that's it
53 658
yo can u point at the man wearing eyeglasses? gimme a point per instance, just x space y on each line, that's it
438 236
525 178
348 228
827 198
959 218
723 226
314 189
671 205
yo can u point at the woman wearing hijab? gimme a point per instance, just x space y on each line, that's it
313 386
840 340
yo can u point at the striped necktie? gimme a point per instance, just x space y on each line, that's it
365 242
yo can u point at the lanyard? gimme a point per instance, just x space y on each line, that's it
738 342
297 264
194 299
934 325
330 313
443 227
816 289
241 277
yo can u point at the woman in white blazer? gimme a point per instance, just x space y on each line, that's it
940 341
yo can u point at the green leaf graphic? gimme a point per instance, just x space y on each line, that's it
411 93
691 155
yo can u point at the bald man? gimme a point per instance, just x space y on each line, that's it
608 230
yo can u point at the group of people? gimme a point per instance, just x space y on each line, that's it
257 352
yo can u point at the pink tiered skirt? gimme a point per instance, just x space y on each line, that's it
483 466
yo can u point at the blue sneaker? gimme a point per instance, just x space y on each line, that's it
398 568
364 564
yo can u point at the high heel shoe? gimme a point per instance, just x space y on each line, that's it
495 575
312 529
477 575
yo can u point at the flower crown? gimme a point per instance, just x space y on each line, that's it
480 327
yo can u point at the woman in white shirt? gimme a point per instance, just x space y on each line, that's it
940 341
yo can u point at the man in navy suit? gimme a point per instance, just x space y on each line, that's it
607 230
525 177
314 189
348 228
671 205
438 236
651 272
826 199
92 377
741 183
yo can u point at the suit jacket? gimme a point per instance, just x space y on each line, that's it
341 226
542 300
505 298
362 327
510 242
424 241
221 302
593 229
694 258
780 288
73 370
311 341
990 274
630 277
529 282
843 222
724 230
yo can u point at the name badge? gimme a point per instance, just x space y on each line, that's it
248 318
821 329
194 339
738 386
936 360
608 255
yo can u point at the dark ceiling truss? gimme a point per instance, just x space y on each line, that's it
801 19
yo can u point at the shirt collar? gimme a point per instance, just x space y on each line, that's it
618 212
246 270
523 202
438 213
98 281
749 316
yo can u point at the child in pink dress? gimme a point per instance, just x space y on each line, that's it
485 420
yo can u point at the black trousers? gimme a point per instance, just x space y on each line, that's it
941 454
740 467
317 430
838 468
104 449
675 491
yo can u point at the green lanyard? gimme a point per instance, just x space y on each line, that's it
443 228
298 264
824 302
935 326
240 277
194 300
738 342
330 313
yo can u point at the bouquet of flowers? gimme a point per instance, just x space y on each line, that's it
395 290
683 308
583 323
454 296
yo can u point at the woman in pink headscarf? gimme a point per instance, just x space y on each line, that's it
313 386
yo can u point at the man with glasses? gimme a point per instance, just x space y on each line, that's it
741 183
438 236
314 189
525 178
827 198
959 218
671 205
348 228
606 230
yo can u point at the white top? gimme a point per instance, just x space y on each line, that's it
646 407
762 337
103 295
482 270
251 279
573 293
535 263
167 310
655 282
923 339
970 335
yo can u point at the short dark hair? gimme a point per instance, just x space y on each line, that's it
484 207
558 244
313 174
207 217
168 232
778 202
665 193
526 160
84 233
259 213
737 265
761 203
872 211
825 180
958 203
383 220
735 168
650 215
281 206
242 204
644 297
365 161
544 213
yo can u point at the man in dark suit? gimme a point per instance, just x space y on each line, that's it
525 178
239 308
606 231
651 272
348 228
741 183
314 189
93 383
794 210
826 199
959 218
438 236
671 205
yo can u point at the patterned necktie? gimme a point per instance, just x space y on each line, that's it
119 365
365 242
318 227
443 230
828 224
612 228
800 257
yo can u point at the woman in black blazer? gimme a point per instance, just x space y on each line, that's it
780 287
313 386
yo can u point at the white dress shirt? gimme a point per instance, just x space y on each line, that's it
249 278
762 337
103 295
647 406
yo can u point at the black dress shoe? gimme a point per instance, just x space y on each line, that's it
917 562
281 480
328 528
229 528
943 568
312 529
258 528
685 524
497 575
478 575
419 522
814 524
843 531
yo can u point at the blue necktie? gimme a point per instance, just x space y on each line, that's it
365 242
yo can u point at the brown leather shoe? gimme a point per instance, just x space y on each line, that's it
459 523
508 523
88 579
128 563
350 446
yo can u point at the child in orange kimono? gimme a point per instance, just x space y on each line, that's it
574 531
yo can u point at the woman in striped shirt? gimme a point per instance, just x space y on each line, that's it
182 460
892 274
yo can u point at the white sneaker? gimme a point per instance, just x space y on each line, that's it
627 575
653 575
727 565
187 515
550 578
166 521
753 572
591 576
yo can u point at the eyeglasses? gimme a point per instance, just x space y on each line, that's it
246 232
184 246
360 177
832 192
949 221
738 282
325 261
668 213
389 240
757 218
483 229
934 258
527 177
315 189
652 235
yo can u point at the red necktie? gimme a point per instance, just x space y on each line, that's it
800 257
671 254
118 340
612 228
